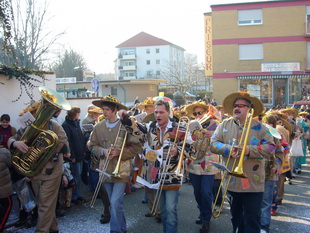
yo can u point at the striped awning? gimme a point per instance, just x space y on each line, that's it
274 76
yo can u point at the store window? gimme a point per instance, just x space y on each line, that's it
261 88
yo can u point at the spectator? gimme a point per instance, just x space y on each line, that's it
6 130
77 148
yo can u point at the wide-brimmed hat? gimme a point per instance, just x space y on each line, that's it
303 113
34 105
229 101
148 101
189 109
287 126
95 110
277 112
111 100
290 111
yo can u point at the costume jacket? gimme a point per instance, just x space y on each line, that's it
157 143
6 188
102 138
201 164
260 144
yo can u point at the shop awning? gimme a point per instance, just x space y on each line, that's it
274 76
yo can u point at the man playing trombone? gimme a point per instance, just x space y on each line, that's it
246 185
165 149
115 149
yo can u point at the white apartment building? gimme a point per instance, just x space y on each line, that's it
145 57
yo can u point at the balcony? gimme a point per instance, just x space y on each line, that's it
127 56
129 68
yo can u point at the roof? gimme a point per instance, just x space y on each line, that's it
256 2
144 39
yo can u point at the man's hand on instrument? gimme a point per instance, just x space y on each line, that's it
114 153
236 151
208 134
173 152
21 145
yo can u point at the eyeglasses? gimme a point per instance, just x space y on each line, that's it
197 113
241 106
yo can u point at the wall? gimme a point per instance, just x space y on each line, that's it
10 90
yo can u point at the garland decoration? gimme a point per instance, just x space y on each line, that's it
23 76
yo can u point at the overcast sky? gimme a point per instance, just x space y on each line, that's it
95 27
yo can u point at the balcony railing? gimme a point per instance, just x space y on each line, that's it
129 67
127 56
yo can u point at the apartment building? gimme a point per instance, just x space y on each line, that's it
260 47
145 56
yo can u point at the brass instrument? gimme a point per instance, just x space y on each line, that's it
235 171
165 167
42 143
119 143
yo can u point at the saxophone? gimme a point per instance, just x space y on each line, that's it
41 143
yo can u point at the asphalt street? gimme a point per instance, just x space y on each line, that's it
292 216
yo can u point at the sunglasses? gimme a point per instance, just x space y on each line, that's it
241 106
197 113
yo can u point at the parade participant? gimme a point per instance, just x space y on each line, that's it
159 136
77 144
92 116
272 169
106 149
6 130
246 193
221 110
46 183
6 189
201 170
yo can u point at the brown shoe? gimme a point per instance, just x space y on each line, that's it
149 214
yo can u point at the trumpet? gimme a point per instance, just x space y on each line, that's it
119 143
165 166
235 171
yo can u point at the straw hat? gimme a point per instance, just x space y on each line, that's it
287 126
189 109
111 100
148 101
95 110
277 112
303 113
229 101
34 105
290 111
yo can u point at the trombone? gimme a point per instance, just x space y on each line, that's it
235 171
119 143
165 166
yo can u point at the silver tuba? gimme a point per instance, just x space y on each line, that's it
42 143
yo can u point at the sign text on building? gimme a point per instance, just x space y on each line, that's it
281 66
66 80
208 46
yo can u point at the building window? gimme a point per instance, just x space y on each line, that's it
129 52
308 55
148 51
148 62
129 74
308 20
261 88
157 62
157 50
250 17
114 91
157 73
129 63
250 51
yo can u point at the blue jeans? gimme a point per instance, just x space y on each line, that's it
246 211
168 210
266 205
116 195
203 191
93 179
77 171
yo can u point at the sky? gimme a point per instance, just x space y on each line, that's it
95 27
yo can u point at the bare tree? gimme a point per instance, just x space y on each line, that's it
183 74
31 38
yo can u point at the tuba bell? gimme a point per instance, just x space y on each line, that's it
41 143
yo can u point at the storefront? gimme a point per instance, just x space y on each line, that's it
274 90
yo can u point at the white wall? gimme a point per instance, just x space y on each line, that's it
10 90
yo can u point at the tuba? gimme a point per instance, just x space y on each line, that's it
42 143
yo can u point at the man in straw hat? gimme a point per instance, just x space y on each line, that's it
160 136
201 171
47 182
105 144
246 193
